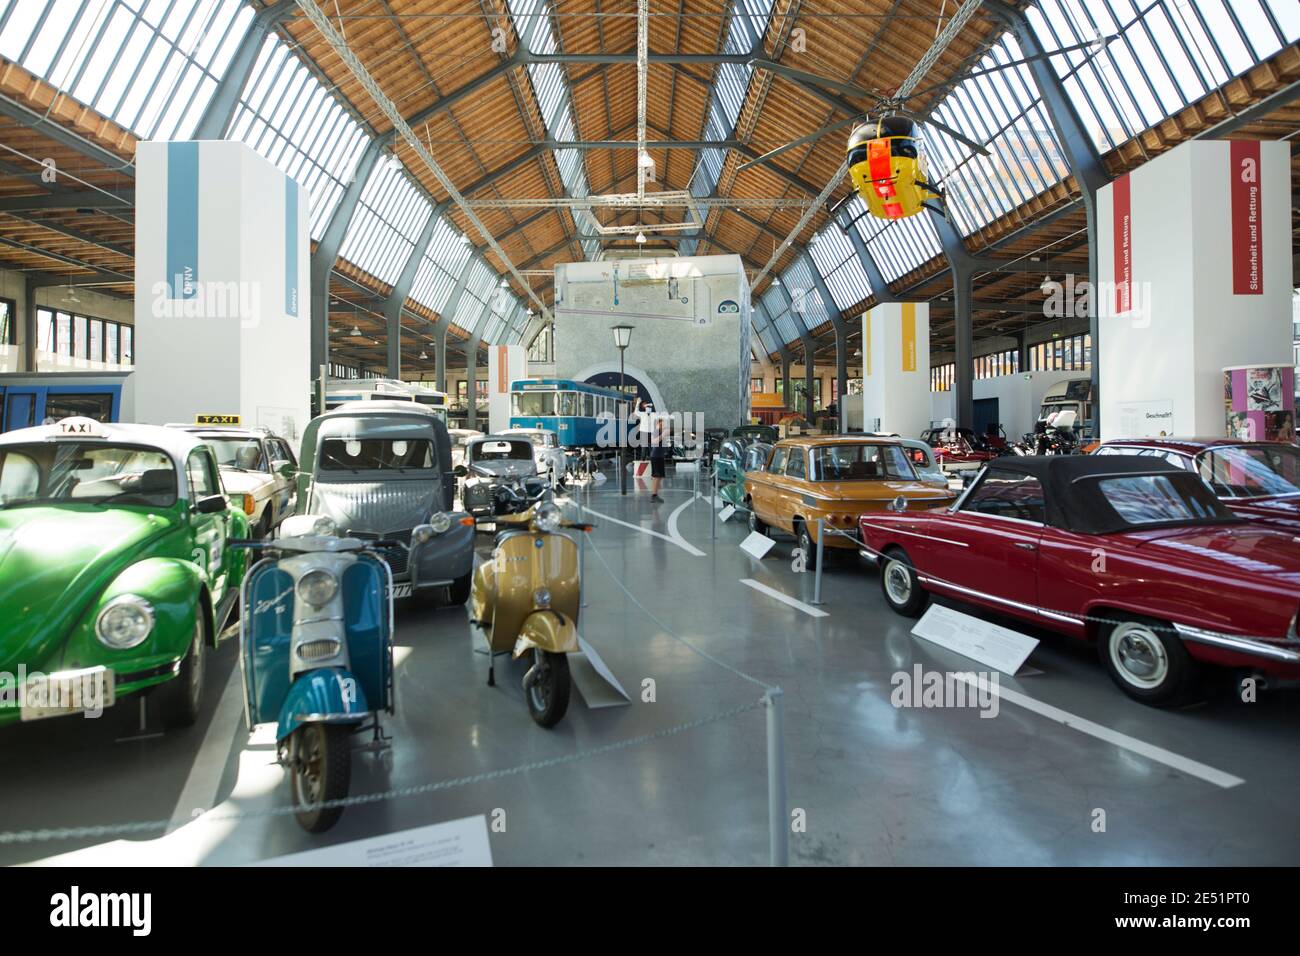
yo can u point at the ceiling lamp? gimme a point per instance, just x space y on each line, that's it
640 237
776 280
504 283
464 238
1046 287
356 332
424 356
646 160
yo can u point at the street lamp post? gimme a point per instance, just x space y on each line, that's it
622 338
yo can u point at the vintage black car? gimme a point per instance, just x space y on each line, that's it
500 475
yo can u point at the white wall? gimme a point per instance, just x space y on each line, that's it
1188 324
1018 398
896 368
235 348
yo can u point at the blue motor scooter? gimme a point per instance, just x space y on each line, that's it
316 653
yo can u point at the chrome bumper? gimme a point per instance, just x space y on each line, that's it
1285 652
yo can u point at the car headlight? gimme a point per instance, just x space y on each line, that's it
547 517
124 622
324 525
440 522
542 597
317 587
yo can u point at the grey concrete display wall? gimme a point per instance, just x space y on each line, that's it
699 365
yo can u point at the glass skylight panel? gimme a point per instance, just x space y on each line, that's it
840 267
286 115
805 299
388 219
901 245
1178 52
150 66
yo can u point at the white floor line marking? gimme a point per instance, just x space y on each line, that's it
200 790
784 598
672 521
1167 757
679 540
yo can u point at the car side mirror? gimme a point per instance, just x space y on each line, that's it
211 505
460 471
285 469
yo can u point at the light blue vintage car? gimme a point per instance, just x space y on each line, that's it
383 470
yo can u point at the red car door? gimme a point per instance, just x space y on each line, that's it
996 533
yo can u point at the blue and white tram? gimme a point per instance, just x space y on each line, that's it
575 411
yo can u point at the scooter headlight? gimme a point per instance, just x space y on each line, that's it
317 587
542 597
124 623
440 522
547 517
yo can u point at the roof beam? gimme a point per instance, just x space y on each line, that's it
65 137
71 199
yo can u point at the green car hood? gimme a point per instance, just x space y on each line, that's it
53 562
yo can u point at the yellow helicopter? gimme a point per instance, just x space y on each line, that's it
888 168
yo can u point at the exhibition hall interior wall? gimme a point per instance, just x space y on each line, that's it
1194 262
1019 398
896 368
13 286
222 271
691 336
506 364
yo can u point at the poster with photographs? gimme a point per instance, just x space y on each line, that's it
1259 403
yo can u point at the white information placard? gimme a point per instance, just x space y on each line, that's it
461 842
992 645
757 545
726 513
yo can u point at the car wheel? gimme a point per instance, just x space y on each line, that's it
900 584
266 524
807 545
1148 661
459 590
755 523
181 698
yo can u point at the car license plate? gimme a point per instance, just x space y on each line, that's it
401 590
86 691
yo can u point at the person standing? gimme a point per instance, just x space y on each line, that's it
658 458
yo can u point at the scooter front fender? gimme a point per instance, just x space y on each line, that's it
548 630
328 695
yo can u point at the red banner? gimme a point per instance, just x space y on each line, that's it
1123 234
1247 219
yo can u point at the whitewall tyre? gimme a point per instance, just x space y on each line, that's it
1148 661
901 586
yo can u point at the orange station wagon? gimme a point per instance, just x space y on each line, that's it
835 478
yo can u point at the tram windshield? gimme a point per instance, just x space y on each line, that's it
528 404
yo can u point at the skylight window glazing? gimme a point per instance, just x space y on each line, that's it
1178 52
290 118
387 221
840 267
1003 111
150 66
896 246
445 258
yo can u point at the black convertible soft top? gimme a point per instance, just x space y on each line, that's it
1072 490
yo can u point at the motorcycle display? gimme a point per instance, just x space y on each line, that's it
316 655
525 600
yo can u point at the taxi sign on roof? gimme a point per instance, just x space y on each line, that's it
216 419
78 426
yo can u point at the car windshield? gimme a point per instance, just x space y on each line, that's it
244 454
85 473
860 462
501 451
1162 499
1251 471
376 454
527 404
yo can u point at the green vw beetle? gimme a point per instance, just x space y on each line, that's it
115 573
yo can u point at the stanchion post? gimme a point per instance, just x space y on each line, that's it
777 817
713 504
817 571
582 567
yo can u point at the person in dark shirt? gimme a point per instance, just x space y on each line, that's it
658 458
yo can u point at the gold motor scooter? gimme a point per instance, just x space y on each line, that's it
526 601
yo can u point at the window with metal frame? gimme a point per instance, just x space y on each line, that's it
840 267
389 217
73 335
151 66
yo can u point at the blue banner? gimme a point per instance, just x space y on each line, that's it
183 219
290 247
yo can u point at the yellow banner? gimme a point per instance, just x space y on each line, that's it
866 345
909 336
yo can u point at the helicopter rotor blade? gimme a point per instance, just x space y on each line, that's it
937 124
818 134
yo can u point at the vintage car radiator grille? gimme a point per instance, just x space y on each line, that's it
396 557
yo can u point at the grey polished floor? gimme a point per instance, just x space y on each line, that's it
876 785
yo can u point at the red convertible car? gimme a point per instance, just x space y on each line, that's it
1126 551
1257 479
956 449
